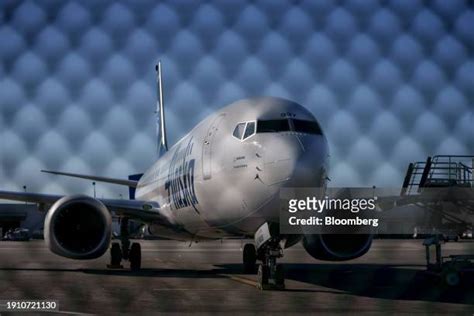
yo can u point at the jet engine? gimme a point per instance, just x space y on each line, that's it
78 227
340 243
337 247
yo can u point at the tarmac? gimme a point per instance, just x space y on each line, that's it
207 278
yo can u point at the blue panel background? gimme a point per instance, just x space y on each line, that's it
390 81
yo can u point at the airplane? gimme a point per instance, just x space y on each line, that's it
221 180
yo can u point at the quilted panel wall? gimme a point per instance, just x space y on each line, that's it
390 81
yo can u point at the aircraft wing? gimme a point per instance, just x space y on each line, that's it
29 197
145 211
129 183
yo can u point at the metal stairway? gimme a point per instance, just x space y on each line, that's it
442 172
438 172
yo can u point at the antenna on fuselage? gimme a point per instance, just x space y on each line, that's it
160 112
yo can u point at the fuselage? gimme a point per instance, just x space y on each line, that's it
223 178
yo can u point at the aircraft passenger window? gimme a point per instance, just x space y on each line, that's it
273 126
250 130
309 127
239 130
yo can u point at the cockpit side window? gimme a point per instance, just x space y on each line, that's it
239 130
244 130
249 130
273 126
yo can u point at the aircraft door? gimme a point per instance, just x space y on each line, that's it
207 147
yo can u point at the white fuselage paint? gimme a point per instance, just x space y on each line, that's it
213 185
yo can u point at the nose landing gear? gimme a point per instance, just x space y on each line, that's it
269 245
271 275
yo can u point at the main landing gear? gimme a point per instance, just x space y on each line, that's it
250 258
270 275
124 252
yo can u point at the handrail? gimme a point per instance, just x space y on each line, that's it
454 156
439 170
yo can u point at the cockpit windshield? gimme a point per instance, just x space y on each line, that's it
286 125
308 127
273 126
245 130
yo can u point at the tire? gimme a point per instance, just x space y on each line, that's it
135 257
249 258
263 276
280 276
115 254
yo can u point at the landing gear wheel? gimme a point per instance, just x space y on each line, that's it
262 277
270 274
135 257
250 258
280 276
125 237
115 255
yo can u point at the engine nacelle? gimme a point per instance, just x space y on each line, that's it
78 227
337 247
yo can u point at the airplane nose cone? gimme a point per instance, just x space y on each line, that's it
295 160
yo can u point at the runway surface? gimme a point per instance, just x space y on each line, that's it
207 278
